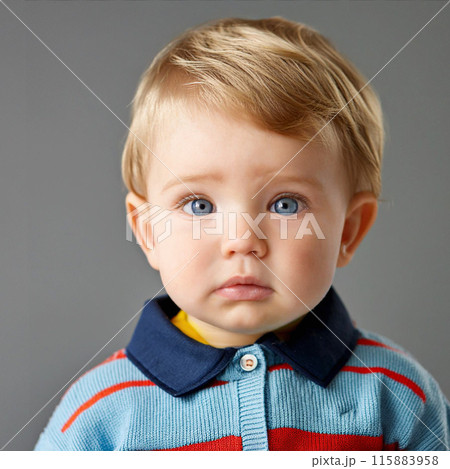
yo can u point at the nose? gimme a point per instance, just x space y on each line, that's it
240 238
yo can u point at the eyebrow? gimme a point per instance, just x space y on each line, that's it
218 177
192 178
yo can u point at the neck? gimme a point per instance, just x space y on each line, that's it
219 338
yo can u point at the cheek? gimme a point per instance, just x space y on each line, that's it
180 248
310 259
306 256
174 234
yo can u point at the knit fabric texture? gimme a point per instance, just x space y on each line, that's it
374 396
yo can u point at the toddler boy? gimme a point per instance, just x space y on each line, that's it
253 166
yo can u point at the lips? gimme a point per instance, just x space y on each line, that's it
244 289
238 280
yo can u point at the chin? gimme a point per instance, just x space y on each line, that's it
248 326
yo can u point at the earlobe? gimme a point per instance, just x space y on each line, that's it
138 220
361 215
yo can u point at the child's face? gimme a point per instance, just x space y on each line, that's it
234 160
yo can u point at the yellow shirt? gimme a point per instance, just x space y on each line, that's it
180 320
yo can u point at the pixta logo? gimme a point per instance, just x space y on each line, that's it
308 219
147 216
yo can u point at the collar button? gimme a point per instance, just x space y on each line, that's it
248 362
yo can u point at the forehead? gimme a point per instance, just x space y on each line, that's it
226 147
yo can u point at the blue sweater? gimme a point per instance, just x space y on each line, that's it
320 390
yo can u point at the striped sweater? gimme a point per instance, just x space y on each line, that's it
330 386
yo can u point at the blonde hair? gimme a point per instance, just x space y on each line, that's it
282 75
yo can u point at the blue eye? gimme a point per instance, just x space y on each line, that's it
198 207
285 206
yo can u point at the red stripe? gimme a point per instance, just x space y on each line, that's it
356 369
282 366
216 382
293 439
100 395
227 443
374 343
115 356
390 374
391 447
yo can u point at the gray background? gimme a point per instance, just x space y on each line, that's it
69 280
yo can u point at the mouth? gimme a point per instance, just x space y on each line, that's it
244 289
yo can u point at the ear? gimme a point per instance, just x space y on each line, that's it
138 218
361 214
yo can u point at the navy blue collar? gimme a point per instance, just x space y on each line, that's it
179 364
